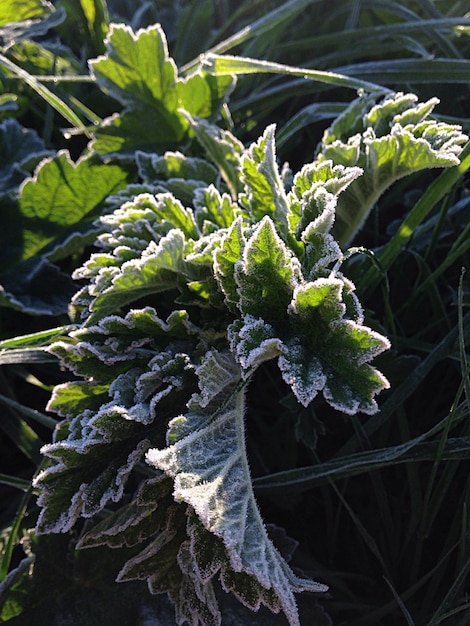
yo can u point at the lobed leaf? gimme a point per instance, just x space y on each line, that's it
138 71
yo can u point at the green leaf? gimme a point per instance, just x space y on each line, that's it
225 259
18 10
53 217
61 196
312 199
267 275
138 71
213 210
253 341
20 150
331 353
174 165
223 149
388 140
210 471
264 191
36 287
87 469
157 270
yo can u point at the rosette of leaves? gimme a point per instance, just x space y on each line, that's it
198 282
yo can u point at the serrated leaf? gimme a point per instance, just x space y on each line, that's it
135 522
313 197
128 132
138 71
72 398
36 287
267 275
20 150
156 270
213 210
209 466
154 167
223 149
389 140
253 341
331 352
264 191
85 476
225 259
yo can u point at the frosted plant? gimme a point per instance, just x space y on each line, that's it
211 272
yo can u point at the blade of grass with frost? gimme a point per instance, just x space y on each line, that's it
458 249
441 351
226 65
22 435
434 193
5 560
456 588
399 601
415 450
33 414
308 115
48 96
441 479
405 71
41 338
14 481
464 364
287 12
345 40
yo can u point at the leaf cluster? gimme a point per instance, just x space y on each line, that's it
217 331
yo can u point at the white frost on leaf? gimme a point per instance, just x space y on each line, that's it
302 372
253 341
210 470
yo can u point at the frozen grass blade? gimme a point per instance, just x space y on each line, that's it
33 414
226 65
405 71
21 434
443 611
267 23
41 338
5 559
404 610
364 462
14 481
46 94
438 189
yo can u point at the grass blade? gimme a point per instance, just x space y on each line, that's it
46 94
223 65
364 462
33 414
403 71
435 192
264 24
